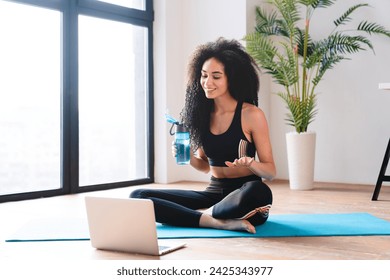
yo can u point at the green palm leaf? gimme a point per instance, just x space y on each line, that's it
288 10
373 28
268 23
301 111
346 16
317 3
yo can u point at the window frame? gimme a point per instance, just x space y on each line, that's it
70 10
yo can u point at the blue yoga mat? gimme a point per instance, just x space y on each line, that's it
291 225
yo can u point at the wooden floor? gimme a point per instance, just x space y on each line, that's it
325 198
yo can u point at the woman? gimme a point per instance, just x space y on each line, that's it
227 130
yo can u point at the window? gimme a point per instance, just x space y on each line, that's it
111 101
29 99
136 4
75 96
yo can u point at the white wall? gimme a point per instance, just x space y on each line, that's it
353 122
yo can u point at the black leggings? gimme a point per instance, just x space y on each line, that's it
179 207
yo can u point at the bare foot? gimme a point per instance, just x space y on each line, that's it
231 224
235 224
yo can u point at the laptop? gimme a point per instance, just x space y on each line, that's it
126 225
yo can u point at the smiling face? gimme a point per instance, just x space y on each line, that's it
213 79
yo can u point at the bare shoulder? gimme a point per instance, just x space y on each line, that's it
252 113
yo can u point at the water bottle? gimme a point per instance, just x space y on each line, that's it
182 141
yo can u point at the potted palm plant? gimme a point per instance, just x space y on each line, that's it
282 45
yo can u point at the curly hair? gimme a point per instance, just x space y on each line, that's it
243 83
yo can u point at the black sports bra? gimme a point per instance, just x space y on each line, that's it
230 145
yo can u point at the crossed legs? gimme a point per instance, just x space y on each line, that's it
182 208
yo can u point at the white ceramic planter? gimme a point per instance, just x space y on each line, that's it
301 156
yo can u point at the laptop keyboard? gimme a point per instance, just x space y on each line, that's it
162 247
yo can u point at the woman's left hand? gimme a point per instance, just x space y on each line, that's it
241 162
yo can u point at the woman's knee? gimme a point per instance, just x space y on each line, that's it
259 190
243 201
